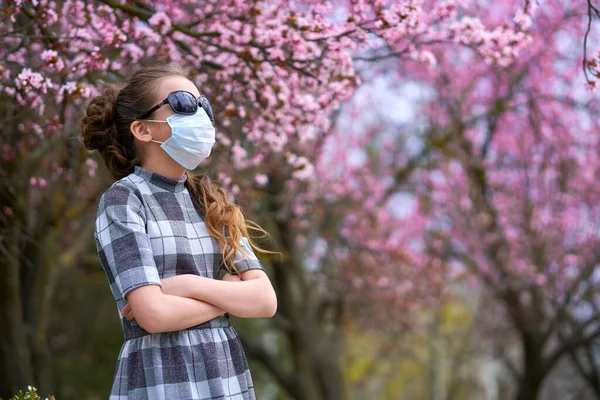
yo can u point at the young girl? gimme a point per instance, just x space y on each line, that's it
163 235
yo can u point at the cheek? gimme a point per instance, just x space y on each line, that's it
161 132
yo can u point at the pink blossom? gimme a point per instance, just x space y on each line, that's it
68 88
383 282
91 166
426 57
161 21
34 80
51 58
261 179
590 86
541 280
239 155
523 20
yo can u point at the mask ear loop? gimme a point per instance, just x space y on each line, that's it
155 120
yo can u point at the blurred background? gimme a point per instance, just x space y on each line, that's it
427 170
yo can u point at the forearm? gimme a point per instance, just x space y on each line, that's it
173 313
247 299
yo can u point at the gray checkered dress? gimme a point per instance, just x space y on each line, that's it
146 229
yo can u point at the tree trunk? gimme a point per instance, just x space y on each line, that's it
533 368
15 354
26 293
314 341
315 350
312 368
528 389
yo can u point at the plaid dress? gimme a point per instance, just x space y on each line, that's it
146 229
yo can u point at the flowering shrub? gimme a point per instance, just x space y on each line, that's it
30 394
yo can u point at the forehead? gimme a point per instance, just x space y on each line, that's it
171 83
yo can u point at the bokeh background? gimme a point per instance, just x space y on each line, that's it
427 170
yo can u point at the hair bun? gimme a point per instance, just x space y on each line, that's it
98 128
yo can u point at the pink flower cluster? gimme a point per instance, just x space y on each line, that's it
39 182
31 88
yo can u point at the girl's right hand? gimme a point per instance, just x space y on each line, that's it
231 278
127 312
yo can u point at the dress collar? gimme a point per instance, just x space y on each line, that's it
173 185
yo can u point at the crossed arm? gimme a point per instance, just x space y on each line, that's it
188 300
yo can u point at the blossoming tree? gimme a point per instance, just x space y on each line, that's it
275 72
502 190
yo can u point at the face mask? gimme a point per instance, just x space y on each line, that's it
191 139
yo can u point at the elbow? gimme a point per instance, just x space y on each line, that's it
270 307
271 311
265 307
149 320
147 305
150 325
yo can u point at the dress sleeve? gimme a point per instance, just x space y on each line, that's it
244 262
122 242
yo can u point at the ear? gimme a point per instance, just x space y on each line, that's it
140 131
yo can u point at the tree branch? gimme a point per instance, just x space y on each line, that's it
145 15
585 37
569 345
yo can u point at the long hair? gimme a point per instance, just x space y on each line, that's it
105 127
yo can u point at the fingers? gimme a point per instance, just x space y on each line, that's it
231 277
127 312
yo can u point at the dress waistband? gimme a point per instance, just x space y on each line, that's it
134 331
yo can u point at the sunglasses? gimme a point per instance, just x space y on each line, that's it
183 102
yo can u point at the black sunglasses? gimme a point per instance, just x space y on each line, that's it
183 102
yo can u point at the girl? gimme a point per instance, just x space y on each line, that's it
163 235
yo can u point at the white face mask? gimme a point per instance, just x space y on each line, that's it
192 138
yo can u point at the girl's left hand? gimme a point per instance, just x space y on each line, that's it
180 285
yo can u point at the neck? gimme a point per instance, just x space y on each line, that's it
161 163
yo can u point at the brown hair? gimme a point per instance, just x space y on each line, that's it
105 127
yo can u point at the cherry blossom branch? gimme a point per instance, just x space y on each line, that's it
592 64
45 33
146 15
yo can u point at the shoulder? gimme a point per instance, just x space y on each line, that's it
121 202
125 193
